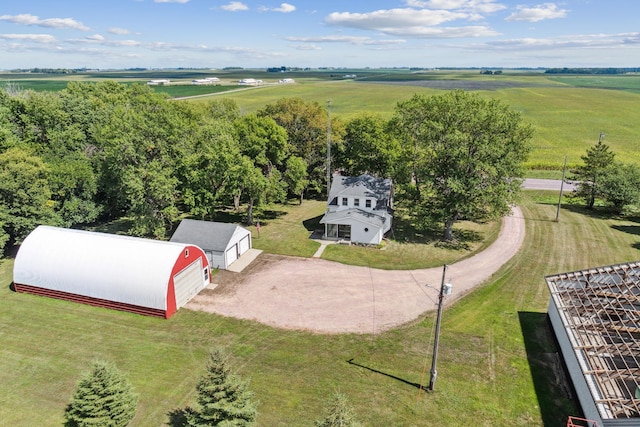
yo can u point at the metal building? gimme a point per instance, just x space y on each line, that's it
595 315
143 276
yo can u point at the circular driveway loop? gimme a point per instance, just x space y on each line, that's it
328 297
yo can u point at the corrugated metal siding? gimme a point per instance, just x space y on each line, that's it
188 282
126 270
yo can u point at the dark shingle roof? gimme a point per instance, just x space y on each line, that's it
360 186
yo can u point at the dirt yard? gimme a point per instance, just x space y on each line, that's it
327 297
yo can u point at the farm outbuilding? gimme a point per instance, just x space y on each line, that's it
595 315
223 243
143 276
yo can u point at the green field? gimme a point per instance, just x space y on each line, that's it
495 366
567 112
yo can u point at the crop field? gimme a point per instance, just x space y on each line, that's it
497 363
567 112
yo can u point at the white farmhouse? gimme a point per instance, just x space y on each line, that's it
359 209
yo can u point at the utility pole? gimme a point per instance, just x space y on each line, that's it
328 147
564 169
445 289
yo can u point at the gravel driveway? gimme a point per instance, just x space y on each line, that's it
327 297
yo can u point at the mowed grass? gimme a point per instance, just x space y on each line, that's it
495 365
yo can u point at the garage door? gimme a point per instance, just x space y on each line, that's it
232 254
188 282
244 244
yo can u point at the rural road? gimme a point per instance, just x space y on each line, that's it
321 296
547 184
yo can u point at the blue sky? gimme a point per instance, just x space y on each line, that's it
323 33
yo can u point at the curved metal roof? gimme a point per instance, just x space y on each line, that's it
118 268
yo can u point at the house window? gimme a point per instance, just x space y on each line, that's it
344 231
367 203
206 274
345 202
186 253
356 202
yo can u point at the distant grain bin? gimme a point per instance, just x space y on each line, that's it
143 276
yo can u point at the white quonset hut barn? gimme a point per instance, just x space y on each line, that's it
143 276
223 243
359 209
595 315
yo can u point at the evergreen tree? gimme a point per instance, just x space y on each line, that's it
597 162
223 397
338 413
104 397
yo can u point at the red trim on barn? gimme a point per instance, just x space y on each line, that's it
188 255
96 302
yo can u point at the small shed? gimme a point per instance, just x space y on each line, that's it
223 243
143 276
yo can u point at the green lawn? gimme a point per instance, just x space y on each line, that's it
494 366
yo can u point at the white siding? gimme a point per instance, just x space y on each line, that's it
188 282
245 244
232 255
97 265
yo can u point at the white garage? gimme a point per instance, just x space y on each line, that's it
223 243
143 276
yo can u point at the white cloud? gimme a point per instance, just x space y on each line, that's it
38 38
411 23
537 13
119 31
475 6
235 6
32 20
285 8
355 40
393 18
96 37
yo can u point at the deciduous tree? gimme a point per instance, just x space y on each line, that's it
465 154
25 196
367 147
620 187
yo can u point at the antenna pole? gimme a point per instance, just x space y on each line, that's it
328 147
564 169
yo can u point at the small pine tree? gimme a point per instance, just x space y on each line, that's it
598 160
103 398
224 398
338 413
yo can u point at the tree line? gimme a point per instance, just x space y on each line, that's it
103 151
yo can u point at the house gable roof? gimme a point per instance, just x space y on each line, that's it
360 186
210 236
353 214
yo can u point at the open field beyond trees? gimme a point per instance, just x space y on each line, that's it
497 364
568 112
